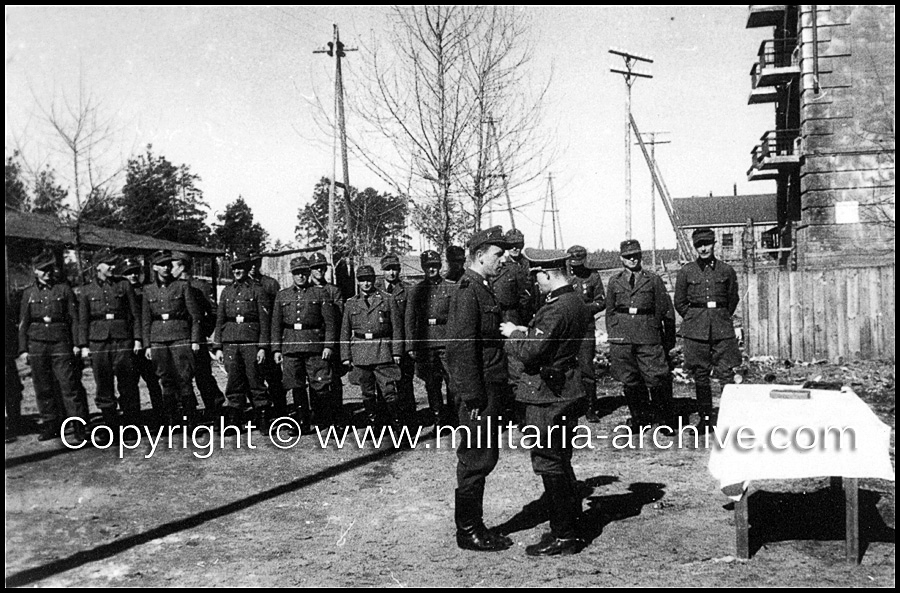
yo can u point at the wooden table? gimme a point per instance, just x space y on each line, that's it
778 422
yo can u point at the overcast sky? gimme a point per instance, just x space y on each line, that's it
223 90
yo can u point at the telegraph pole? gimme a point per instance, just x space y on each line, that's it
653 142
337 50
630 76
551 199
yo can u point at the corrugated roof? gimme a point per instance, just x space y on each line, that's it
43 227
726 210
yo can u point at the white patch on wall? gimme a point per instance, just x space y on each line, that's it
846 212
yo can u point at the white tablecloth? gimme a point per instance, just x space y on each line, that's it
736 463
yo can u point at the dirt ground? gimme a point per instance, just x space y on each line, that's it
376 517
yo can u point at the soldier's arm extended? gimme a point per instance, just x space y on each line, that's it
733 295
682 304
531 346
464 348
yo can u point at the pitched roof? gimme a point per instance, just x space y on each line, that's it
726 210
47 228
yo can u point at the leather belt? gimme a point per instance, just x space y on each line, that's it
437 322
242 319
106 317
300 326
168 317
635 310
47 319
370 335
708 305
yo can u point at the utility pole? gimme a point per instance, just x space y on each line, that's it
551 199
653 142
630 76
337 50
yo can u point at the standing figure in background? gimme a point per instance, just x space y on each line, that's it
372 342
640 320
706 297
392 284
110 325
49 341
270 369
589 286
456 263
318 268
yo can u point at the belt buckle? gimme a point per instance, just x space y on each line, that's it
239 319
110 316
632 310
369 336
298 326
432 322
711 304
47 319
165 316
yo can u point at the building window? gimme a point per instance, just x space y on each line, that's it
728 240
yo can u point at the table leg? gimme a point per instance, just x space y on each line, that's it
742 526
851 497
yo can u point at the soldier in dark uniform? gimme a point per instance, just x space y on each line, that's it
513 286
241 339
304 330
706 296
144 369
588 284
318 267
456 263
49 340
110 325
426 330
372 342
551 390
391 283
640 321
478 379
171 330
271 371
205 295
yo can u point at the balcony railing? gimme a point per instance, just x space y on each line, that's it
778 150
777 63
760 94
765 15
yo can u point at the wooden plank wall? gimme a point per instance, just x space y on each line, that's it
837 314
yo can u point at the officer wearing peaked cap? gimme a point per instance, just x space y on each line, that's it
478 379
551 390
426 331
706 297
372 342
304 331
640 321
48 341
589 286
513 285
456 263
110 325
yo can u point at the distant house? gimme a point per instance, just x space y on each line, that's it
743 224
827 75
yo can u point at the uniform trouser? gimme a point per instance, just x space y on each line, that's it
146 370
175 368
244 377
112 363
53 370
704 357
431 367
552 460
298 369
405 392
13 390
639 367
375 378
586 363
206 384
338 370
274 378
475 460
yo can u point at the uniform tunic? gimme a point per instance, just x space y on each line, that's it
109 322
400 291
48 332
513 288
371 336
242 328
427 313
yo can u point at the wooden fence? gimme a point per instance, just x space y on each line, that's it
834 314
